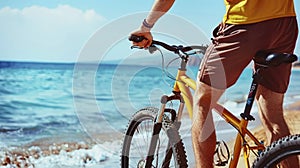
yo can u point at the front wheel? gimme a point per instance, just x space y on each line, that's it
284 153
169 150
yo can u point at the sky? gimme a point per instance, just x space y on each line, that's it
60 30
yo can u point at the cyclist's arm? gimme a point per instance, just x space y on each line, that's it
159 8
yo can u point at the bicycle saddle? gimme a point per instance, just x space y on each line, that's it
265 58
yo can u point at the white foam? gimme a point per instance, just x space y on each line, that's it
97 156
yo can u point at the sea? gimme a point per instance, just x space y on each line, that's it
74 115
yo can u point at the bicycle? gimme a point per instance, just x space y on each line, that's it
159 128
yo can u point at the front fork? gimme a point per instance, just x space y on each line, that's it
176 118
164 100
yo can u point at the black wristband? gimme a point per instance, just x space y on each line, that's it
147 25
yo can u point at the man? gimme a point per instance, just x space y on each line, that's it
247 27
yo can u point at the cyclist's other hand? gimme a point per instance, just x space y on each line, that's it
147 38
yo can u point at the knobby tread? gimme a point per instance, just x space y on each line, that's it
179 148
278 149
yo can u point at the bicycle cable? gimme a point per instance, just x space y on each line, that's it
164 69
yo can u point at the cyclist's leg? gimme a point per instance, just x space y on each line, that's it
275 82
220 68
203 131
271 113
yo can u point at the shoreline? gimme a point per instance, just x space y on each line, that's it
87 150
54 146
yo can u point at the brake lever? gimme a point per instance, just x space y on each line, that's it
151 49
132 47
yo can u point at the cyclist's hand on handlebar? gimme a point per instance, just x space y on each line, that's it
141 38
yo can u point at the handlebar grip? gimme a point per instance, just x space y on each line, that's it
136 38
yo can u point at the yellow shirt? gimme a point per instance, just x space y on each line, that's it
252 11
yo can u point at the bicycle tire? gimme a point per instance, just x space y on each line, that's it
278 151
147 116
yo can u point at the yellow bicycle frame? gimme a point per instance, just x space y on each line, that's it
183 84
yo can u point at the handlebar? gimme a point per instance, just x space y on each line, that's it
172 48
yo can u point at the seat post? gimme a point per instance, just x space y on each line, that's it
256 77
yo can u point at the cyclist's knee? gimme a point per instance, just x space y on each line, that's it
206 95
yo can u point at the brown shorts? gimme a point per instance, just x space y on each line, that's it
235 45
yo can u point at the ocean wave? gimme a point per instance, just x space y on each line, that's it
4 91
21 130
9 129
36 104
